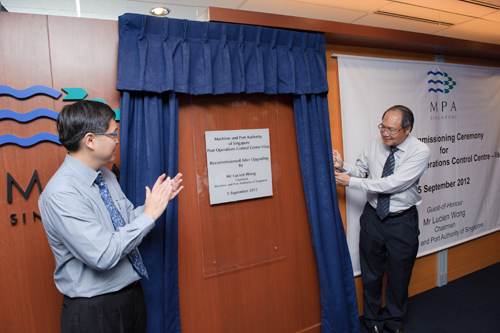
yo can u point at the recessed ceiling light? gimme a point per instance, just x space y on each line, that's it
160 11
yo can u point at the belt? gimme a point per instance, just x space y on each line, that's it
403 212
130 286
397 214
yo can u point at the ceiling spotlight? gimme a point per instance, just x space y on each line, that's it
160 11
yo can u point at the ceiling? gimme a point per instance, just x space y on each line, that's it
448 18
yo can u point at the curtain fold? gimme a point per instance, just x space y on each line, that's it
149 148
338 292
158 58
160 55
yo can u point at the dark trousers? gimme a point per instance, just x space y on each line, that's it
389 245
122 311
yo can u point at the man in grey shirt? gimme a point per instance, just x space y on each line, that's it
94 230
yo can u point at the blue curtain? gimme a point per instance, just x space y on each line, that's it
158 58
159 55
338 295
148 148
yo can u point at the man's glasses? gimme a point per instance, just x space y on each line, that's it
391 131
115 134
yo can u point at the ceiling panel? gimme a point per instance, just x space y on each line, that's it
454 6
108 10
493 17
381 21
319 12
457 12
192 3
30 5
426 13
358 5
40 11
477 30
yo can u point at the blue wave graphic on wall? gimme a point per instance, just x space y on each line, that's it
29 92
435 81
434 73
436 90
25 117
26 142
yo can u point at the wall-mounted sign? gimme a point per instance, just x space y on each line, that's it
11 182
73 94
239 165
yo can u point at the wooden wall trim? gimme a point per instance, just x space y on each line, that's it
360 35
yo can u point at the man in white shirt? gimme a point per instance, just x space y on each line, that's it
388 170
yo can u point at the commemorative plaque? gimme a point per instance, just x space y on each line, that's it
239 165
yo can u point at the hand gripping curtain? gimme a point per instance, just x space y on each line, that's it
159 58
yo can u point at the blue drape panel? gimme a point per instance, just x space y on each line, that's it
158 58
338 293
159 55
149 143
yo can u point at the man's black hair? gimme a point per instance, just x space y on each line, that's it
406 115
78 119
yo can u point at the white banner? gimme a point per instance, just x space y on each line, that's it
457 114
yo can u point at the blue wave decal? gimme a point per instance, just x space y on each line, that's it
435 81
434 73
436 90
25 117
29 92
26 142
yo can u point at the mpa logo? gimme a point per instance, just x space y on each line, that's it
440 82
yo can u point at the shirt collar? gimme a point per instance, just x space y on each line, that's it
403 146
82 171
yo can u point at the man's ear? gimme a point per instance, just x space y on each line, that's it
89 141
408 130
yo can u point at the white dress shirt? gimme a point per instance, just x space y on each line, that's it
411 160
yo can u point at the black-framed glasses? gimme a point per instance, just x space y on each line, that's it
114 134
391 131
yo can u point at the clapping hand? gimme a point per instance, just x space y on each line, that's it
164 190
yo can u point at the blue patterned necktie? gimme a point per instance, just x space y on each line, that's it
116 217
384 199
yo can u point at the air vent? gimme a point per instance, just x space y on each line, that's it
413 18
482 3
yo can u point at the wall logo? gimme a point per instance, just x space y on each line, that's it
440 82
72 95
26 117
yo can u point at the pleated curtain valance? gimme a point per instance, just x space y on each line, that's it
170 55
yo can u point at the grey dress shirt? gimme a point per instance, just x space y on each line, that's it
411 160
91 256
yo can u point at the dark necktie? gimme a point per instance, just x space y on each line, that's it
384 199
116 217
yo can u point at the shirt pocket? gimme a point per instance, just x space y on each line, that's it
121 204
